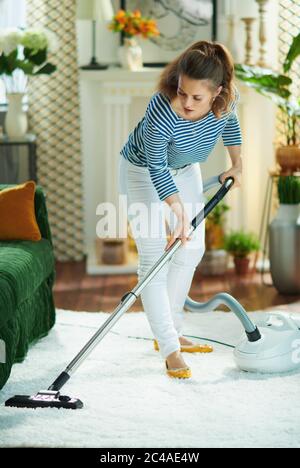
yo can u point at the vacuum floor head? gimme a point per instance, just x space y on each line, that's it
44 399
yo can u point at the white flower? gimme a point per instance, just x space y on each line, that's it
10 39
35 39
39 39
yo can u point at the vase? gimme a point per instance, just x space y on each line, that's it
130 55
214 262
284 241
114 251
16 119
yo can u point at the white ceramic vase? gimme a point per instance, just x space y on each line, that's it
131 55
16 123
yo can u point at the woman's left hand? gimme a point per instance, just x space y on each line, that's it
236 173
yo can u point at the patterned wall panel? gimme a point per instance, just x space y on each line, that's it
54 118
289 26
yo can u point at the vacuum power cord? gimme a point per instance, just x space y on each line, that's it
187 336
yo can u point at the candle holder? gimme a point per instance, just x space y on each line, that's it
262 32
248 44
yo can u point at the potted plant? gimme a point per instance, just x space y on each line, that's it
277 86
240 244
23 53
214 227
132 24
215 258
284 237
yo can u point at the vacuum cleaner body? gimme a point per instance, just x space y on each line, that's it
278 349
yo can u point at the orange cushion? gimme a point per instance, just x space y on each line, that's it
17 213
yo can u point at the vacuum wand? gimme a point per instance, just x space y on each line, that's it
52 397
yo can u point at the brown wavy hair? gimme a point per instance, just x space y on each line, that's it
203 60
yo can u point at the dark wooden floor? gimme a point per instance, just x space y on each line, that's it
75 290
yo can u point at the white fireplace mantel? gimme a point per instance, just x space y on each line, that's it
112 103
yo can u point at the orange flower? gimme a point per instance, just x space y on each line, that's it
137 14
120 14
132 23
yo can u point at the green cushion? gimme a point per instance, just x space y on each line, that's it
24 265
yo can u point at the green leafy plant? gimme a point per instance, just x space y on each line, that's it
216 216
240 243
276 86
289 189
214 227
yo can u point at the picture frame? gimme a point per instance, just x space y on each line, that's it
181 22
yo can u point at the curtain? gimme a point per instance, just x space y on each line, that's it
54 119
289 27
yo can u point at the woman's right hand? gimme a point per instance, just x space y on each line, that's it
181 231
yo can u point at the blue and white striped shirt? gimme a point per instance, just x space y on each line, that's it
163 140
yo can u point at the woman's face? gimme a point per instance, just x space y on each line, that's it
195 96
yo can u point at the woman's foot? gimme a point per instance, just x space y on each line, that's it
176 361
190 347
185 341
176 367
187 346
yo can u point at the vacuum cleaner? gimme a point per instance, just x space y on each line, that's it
269 348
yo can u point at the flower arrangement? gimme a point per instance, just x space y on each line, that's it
132 23
24 52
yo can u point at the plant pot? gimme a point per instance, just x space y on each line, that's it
214 236
241 265
131 55
16 123
288 158
111 251
214 262
284 240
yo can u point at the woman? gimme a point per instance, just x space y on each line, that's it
193 107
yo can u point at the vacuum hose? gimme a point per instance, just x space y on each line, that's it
223 298
252 331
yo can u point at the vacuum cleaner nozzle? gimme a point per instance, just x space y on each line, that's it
44 399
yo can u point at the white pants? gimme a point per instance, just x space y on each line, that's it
164 296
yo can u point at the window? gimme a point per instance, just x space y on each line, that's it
289 26
12 14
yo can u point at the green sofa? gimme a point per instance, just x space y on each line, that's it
27 273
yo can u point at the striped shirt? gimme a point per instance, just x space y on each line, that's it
162 140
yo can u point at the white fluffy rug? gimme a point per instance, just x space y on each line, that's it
130 402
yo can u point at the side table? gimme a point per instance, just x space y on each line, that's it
29 141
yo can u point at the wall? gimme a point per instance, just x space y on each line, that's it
108 42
